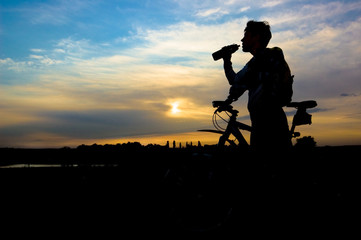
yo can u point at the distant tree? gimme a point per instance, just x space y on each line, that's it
306 142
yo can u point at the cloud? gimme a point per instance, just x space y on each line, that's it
218 10
54 13
36 57
6 61
36 50
348 95
244 9
17 66
272 3
95 124
310 16
213 12
189 39
80 48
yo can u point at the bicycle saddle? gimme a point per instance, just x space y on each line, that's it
303 104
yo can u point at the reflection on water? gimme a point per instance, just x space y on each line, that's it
34 165
24 165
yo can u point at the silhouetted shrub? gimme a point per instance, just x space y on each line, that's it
306 142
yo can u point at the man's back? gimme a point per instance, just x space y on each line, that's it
271 80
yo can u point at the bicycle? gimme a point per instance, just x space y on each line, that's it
301 117
203 187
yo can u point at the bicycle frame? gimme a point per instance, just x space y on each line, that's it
233 127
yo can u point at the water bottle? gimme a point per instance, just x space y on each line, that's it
225 50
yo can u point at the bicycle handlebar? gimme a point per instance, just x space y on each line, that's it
223 106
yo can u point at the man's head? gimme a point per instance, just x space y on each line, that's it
256 36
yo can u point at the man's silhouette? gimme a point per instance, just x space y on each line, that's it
263 77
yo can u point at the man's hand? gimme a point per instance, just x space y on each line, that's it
227 57
228 101
229 50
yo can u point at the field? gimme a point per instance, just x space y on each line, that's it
115 190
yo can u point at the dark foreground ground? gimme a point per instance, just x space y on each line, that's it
131 191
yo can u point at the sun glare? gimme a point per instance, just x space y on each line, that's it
175 109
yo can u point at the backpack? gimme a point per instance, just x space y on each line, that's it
280 80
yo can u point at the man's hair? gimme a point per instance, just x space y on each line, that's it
263 29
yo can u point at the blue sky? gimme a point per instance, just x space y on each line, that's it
74 72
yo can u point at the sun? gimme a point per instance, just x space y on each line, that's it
175 109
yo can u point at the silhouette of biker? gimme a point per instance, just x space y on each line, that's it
261 76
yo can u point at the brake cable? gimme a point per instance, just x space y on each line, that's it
216 124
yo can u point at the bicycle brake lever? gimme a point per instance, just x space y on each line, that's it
217 103
218 110
224 108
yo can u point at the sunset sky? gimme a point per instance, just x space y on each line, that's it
81 72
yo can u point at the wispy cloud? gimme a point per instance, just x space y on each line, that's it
216 9
309 16
55 12
349 94
214 13
272 3
17 66
36 50
244 9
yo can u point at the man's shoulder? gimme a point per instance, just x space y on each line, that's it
275 52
